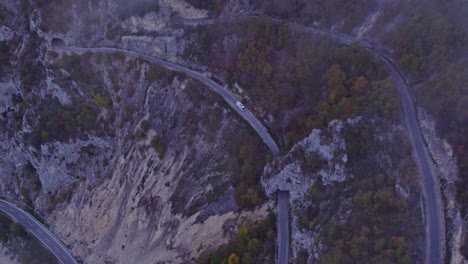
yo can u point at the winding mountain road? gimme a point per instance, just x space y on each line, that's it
435 238
225 94
435 234
45 236
39 231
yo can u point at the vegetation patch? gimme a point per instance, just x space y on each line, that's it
159 146
383 226
57 14
246 163
348 14
61 123
253 243
304 81
5 54
430 38
81 70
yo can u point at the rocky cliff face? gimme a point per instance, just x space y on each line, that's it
123 160
320 156
327 146
445 167
323 178
114 153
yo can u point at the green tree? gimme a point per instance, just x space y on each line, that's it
251 197
254 246
267 69
159 146
101 100
44 136
17 230
28 169
153 74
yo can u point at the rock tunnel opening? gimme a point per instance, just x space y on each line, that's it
57 43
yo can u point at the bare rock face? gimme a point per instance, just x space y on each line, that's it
157 21
124 192
328 146
238 6
5 33
292 173
60 163
162 47
440 149
291 178
446 168
7 257
126 189
57 92
333 152
150 22
120 190
184 10
8 90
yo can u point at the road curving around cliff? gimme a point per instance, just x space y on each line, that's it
434 216
33 226
228 97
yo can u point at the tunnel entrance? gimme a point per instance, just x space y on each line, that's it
57 43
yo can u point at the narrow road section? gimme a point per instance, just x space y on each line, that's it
39 231
283 227
225 94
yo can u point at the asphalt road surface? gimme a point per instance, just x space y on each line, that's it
227 95
435 235
283 227
39 231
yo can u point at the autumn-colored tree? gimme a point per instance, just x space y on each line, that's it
233 259
251 197
254 60
243 233
360 86
337 93
301 73
336 80
253 243
335 76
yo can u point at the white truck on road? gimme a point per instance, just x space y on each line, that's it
240 106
